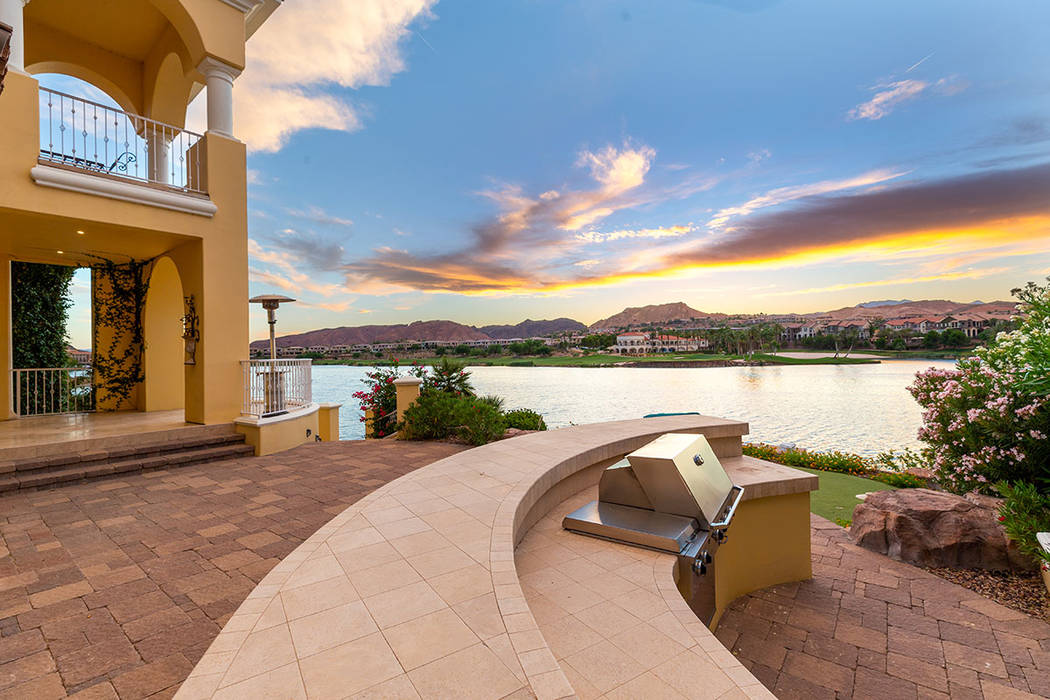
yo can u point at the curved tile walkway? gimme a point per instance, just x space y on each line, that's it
866 626
116 587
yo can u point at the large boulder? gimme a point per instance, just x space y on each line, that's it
933 528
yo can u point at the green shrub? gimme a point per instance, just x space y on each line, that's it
524 419
1024 513
492 400
438 415
521 363
448 376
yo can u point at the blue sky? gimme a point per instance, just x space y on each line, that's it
491 161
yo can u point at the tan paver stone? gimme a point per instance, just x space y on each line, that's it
474 672
397 688
282 683
427 638
383 578
330 628
315 597
370 657
261 652
403 604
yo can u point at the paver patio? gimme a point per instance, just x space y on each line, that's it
116 587
866 626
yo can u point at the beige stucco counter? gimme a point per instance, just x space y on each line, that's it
421 589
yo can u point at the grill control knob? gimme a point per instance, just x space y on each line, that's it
707 557
701 569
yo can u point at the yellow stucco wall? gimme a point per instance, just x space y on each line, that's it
209 253
755 556
5 335
282 433
328 422
164 355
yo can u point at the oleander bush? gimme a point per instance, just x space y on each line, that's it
524 419
988 419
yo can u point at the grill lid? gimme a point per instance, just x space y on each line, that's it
682 476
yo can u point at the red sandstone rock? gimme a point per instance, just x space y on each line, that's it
933 528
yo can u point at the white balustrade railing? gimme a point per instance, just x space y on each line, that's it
98 139
273 387
51 390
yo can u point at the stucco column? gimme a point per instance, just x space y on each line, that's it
159 155
407 390
11 14
6 404
219 79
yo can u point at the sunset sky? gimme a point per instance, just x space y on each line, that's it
491 161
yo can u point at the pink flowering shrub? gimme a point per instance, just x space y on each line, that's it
988 419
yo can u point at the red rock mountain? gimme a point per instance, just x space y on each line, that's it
653 314
919 309
352 335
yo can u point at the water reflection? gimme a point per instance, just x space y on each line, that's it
860 408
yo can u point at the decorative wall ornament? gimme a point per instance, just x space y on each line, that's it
191 333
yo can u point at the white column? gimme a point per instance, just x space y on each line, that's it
219 79
11 15
158 144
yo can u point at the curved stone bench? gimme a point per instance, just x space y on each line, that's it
415 589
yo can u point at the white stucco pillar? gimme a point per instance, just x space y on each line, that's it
159 155
11 15
219 79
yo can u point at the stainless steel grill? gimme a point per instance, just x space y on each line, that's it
672 495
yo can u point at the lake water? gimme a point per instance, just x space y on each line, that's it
856 408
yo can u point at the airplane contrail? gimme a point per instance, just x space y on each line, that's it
921 61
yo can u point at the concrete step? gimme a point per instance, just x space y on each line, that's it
120 451
124 460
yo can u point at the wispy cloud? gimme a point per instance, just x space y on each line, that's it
318 215
608 236
886 98
920 62
891 94
782 195
309 47
297 271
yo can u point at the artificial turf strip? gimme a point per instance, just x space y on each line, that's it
837 496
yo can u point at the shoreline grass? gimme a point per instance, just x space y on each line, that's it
601 360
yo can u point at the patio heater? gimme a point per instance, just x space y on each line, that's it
270 302
272 376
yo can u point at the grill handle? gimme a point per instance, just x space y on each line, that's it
724 522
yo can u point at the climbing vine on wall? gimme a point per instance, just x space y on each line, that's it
40 302
119 296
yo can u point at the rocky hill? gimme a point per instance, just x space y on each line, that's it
352 335
531 329
653 314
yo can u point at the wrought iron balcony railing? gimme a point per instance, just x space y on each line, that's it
101 140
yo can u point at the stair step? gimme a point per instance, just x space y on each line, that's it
52 475
147 449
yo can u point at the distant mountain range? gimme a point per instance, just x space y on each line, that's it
656 314
884 302
423 330
531 329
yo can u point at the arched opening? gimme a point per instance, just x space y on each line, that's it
164 357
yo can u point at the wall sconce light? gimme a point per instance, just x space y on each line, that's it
190 330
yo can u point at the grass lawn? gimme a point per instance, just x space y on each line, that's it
838 494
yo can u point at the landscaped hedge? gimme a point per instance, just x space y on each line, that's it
841 462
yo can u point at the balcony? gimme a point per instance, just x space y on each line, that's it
86 137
